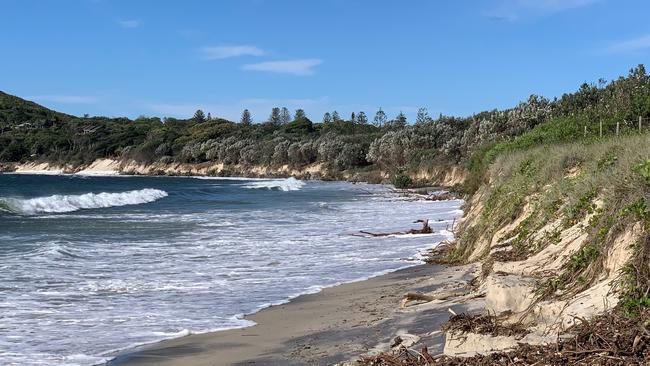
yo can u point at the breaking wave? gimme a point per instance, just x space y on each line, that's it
289 184
70 203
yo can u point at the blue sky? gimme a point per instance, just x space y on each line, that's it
168 58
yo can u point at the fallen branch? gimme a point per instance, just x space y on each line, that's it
426 229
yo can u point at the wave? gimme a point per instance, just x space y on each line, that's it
289 184
70 203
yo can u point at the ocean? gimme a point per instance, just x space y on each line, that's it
93 265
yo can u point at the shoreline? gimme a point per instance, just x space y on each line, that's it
246 316
334 325
127 354
444 176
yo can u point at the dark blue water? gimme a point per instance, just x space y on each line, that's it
90 265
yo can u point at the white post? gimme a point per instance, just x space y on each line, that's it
618 124
640 121
601 128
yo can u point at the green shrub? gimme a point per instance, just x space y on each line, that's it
401 180
644 170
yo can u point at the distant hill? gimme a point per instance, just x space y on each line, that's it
15 111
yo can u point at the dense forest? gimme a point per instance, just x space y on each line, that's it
30 132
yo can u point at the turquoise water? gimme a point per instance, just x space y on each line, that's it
91 265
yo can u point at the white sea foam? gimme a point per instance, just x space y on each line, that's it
447 234
97 173
289 184
226 178
70 203
38 172
82 286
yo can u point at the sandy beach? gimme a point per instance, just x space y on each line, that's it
334 326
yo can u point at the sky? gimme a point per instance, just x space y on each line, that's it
169 58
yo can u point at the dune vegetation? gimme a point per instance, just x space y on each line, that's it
559 219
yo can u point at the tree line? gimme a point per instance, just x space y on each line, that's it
29 132
282 116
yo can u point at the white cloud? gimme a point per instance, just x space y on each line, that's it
513 10
221 52
292 67
631 44
65 99
129 23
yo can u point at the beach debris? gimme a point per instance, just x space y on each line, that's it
423 298
426 229
441 254
426 195
483 324
610 339
403 356
404 340
396 342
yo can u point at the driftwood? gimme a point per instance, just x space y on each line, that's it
426 229
379 234
442 295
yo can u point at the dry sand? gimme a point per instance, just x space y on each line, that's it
335 325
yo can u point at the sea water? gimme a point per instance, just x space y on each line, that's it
91 265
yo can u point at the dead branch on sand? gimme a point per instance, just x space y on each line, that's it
443 295
426 229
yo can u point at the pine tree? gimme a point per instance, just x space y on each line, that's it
327 118
353 118
380 118
300 114
285 116
335 116
400 121
362 119
199 116
422 117
246 118
209 117
275 116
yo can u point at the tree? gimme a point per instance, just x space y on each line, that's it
275 116
400 121
422 117
327 118
209 117
285 116
353 118
300 114
199 116
335 116
362 119
246 118
380 118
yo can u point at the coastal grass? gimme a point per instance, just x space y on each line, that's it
607 180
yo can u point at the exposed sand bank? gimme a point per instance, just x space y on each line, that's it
443 176
333 326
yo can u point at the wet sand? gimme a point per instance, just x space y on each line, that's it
333 326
